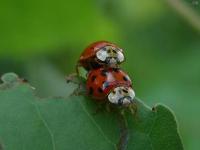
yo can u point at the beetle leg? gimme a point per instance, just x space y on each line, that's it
77 69
100 108
133 109
108 107
75 79
72 78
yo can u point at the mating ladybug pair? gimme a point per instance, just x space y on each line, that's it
105 80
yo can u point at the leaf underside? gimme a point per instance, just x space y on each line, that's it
28 122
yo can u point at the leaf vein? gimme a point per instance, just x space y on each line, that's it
98 127
46 125
150 131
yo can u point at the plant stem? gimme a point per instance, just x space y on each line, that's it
186 12
124 136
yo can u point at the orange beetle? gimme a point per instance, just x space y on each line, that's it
112 84
101 53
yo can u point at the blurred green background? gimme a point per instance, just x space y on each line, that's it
41 41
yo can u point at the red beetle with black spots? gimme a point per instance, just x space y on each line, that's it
101 53
112 84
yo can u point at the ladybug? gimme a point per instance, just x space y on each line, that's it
101 53
112 84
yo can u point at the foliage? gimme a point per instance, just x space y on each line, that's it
29 122
41 41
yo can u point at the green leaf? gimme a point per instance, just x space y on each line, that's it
29 122
45 26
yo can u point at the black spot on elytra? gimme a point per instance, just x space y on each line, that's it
103 72
93 78
116 70
91 90
100 90
94 65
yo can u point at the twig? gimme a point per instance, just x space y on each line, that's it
186 12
